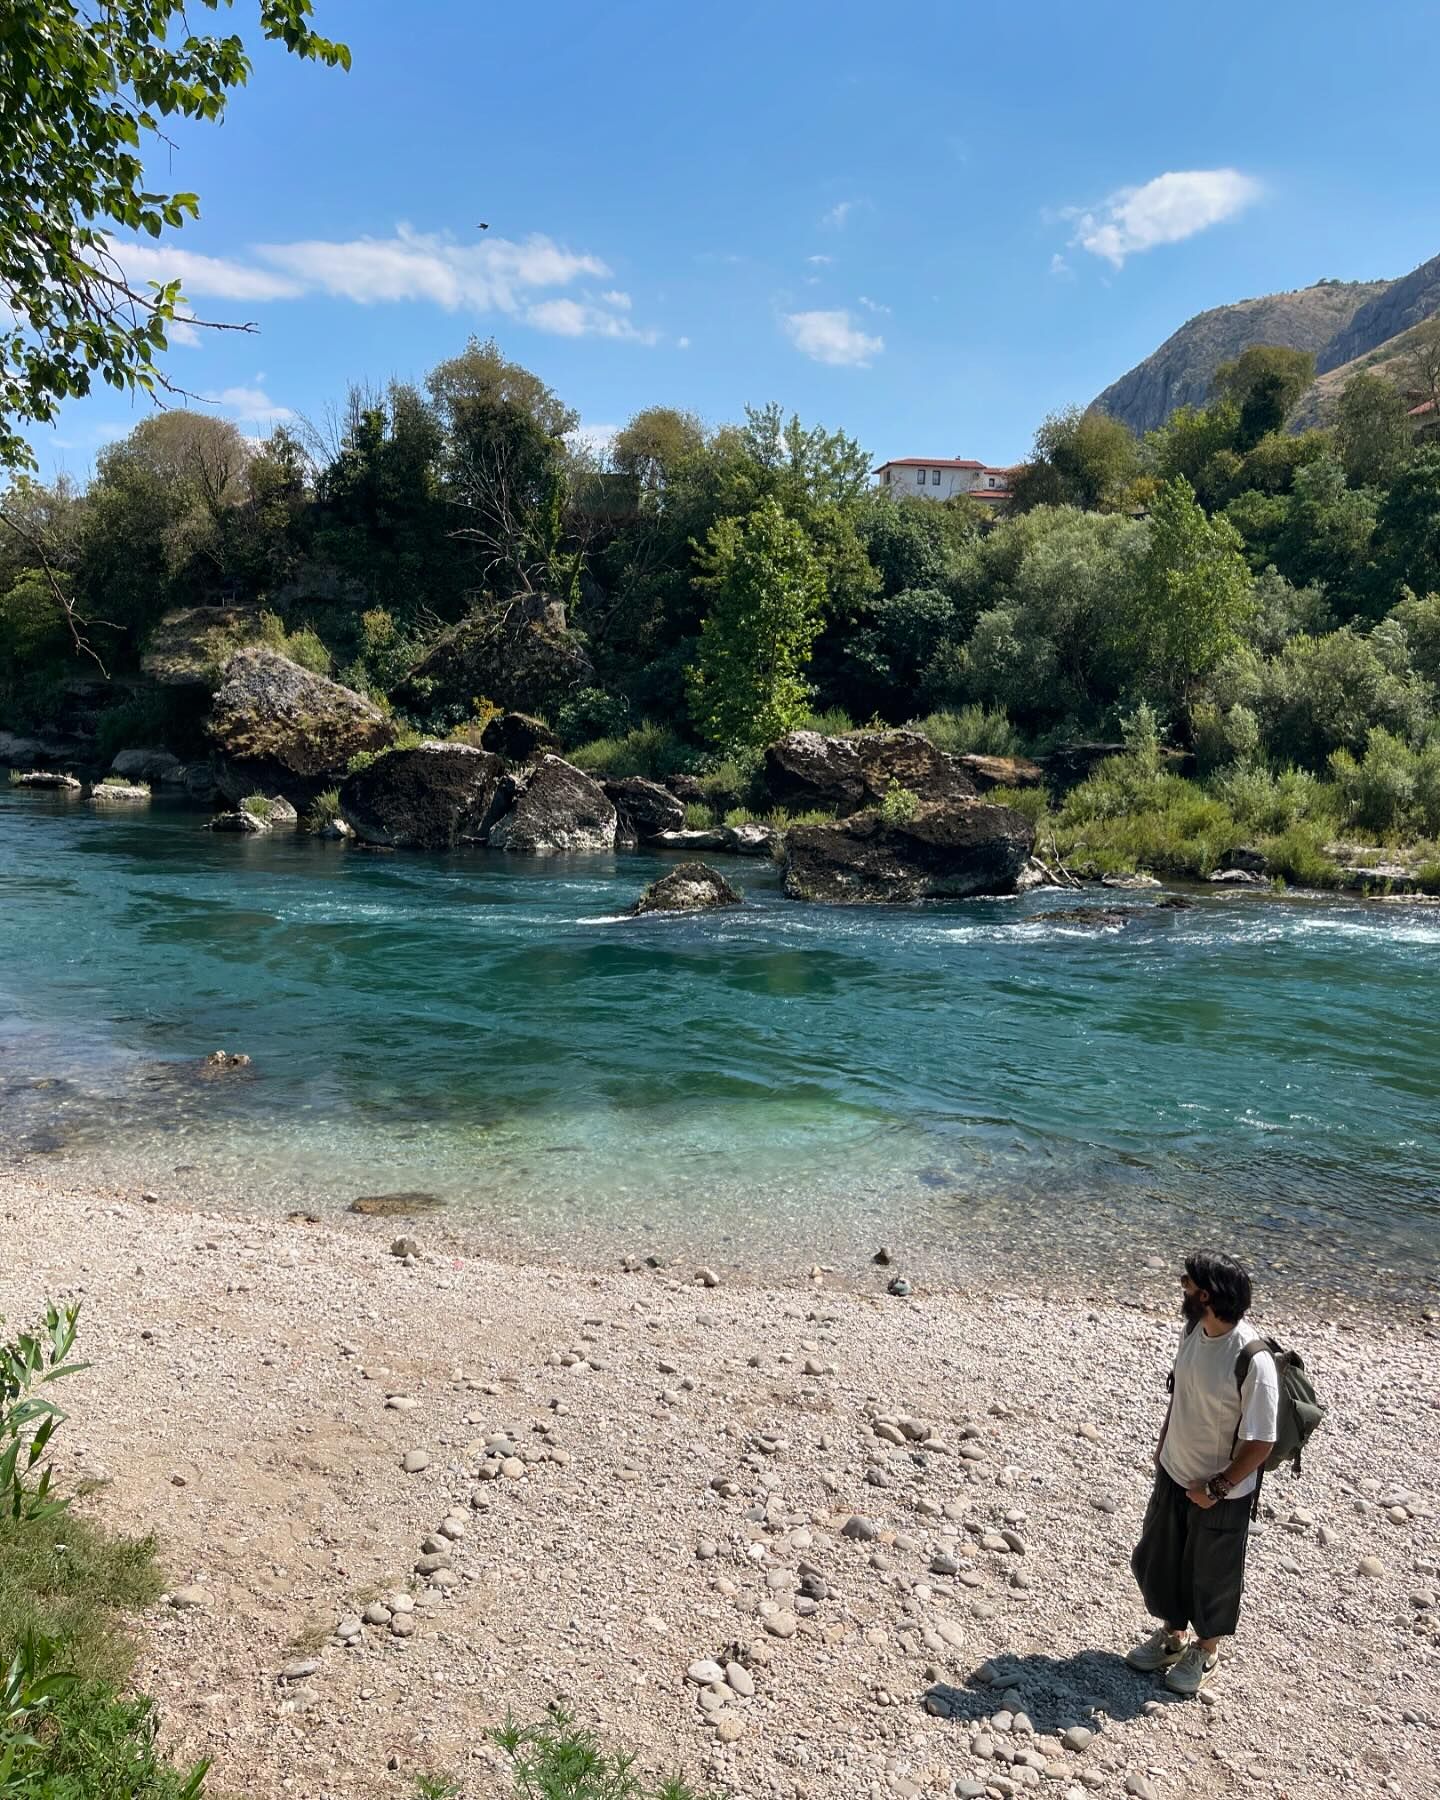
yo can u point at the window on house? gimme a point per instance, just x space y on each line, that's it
920 477
886 474
935 478
989 481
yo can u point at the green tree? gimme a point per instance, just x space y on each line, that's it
1199 443
1407 530
1328 534
1372 431
654 445
1263 383
1084 459
767 595
83 93
506 469
1191 596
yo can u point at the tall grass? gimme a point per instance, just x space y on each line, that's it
971 731
653 751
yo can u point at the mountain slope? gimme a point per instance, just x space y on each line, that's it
1317 403
1179 373
1404 303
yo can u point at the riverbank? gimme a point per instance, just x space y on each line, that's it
679 1466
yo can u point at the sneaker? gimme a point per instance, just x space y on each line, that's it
1192 1671
1161 1650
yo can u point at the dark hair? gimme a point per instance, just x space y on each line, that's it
1224 1280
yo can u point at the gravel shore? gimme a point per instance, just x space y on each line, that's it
791 1535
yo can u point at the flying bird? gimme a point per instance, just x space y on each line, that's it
482 227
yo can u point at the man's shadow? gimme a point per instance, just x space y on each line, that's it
1055 1691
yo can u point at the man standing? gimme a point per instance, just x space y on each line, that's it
1218 1431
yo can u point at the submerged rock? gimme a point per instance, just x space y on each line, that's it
433 797
944 852
278 729
240 822
518 737
808 769
395 1206
690 887
646 810
558 810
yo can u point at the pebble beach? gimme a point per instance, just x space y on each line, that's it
779 1529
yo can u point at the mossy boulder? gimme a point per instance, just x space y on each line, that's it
518 653
807 769
278 729
192 646
436 796
518 737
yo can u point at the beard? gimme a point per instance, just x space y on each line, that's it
1192 1309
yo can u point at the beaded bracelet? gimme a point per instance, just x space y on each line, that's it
1218 1488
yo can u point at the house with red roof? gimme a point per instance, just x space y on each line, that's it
941 477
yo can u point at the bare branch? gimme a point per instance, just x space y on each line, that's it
75 623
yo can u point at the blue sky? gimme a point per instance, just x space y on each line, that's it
929 224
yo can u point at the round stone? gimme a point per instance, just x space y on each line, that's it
728 1726
186 1599
402 1625
705 1672
1076 1737
376 1614
414 1461
739 1678
512 1468
1371 1565
780 1624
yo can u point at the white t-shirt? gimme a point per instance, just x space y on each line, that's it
1208 1407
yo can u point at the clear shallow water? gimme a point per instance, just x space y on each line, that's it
783 1078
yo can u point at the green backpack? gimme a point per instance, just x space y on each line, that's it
1299 1411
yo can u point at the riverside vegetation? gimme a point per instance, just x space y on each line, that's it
1267 602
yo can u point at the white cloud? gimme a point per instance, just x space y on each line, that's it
581 318
596 438
838 214
682 343
874 306
1059 266
252 406
1166 210
820 260
495 274
832 337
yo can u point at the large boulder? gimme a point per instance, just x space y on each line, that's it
518 653
943 852
159 768
278 729
646 809
191 647
433 797
558 810
689 887
517 737
808 769
1000 771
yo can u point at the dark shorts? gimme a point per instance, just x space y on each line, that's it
1190 1561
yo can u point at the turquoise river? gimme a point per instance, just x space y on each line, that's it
782 1081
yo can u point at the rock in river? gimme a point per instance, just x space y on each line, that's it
433 797
278 729
645 808
689 887
559 810
943 852
519 651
